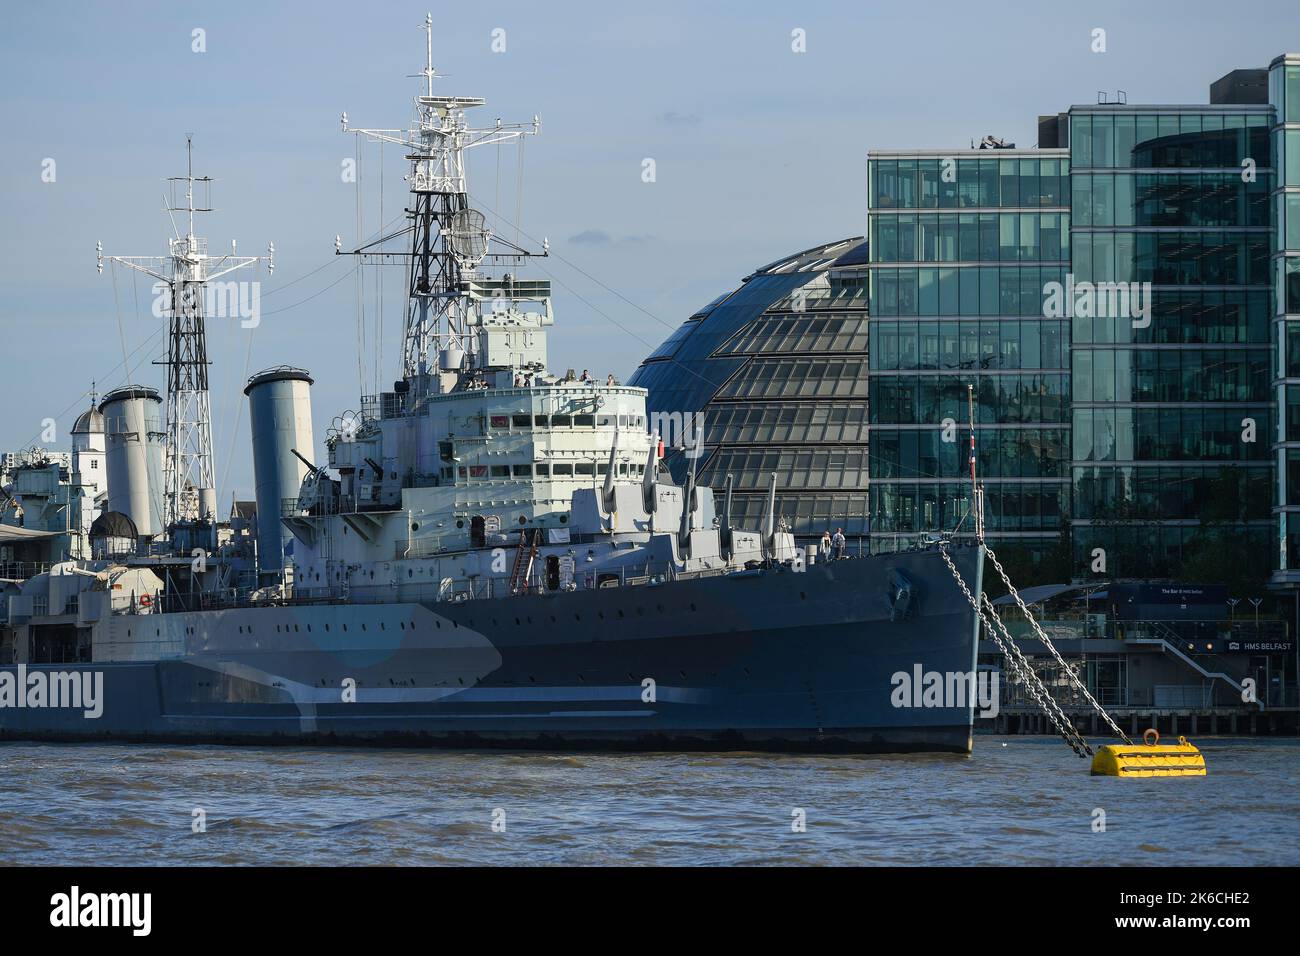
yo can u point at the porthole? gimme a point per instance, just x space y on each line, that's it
415 526
523 519
460 523
564 519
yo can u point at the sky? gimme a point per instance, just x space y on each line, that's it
759 151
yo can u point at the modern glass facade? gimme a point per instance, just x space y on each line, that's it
772 379
1284 97
1171 397
961 247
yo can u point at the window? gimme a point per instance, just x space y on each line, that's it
585 468
561 421
521 421
523 471
584 421
500 471
499 421
541 421
543 471
562 470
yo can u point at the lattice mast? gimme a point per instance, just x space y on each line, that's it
449 239
183 276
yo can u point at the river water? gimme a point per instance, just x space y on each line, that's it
1018 800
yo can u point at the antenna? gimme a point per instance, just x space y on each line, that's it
190 479
448 239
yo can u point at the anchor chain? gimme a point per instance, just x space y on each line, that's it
1046 701
1023 672
1042 636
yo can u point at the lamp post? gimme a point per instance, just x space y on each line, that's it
1256 602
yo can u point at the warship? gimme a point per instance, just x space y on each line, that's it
488 555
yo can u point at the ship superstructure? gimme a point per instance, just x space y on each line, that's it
489 555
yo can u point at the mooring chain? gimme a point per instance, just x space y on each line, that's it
1042 636
1022 670
1049 703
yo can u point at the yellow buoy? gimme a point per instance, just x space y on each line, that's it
1150 759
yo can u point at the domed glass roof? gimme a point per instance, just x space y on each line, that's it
772 378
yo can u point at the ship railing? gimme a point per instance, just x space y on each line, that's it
22 570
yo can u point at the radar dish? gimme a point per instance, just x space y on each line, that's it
467 236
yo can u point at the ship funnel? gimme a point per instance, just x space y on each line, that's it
133 459
651 477
279 413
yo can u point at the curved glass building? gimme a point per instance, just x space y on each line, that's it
771 378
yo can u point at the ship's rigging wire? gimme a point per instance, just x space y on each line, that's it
121 332
239 409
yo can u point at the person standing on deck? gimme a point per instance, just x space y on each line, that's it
837 544
824 547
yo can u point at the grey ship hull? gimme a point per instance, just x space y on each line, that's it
770 660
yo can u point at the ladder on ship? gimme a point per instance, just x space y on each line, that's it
522 570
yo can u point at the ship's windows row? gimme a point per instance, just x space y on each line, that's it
1171 375
1000 453
527 422
1172 434
985 344
801 378
972 183
1171 492
1004 398
548 470
1173 258
1170 199
987 290
1190 317
760 424
970 237
1155 141
840 333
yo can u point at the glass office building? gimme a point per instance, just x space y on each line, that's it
1284 98
771 378
962 245
1172 406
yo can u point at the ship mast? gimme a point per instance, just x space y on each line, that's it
449 239
190 478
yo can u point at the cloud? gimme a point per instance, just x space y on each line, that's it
599 237
591 237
